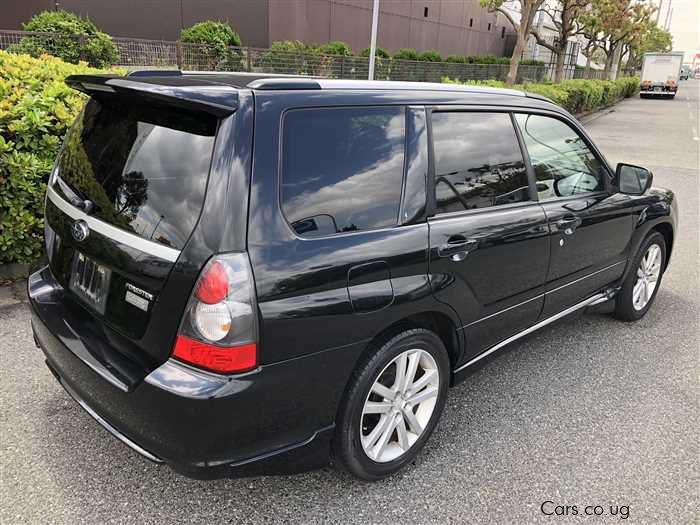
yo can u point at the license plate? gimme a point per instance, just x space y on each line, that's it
90 282
658 89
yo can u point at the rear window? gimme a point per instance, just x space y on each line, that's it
143 168
342 169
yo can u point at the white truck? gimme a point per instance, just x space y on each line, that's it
660 74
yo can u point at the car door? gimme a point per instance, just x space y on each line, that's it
489 246
590 226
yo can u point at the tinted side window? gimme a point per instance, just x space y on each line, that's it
478 162
342 169
564 165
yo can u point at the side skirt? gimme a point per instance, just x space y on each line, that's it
591 301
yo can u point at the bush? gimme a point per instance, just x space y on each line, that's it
406 53
291 57
336 48
379 53
74 39
430 56
36 108
216 40
576 96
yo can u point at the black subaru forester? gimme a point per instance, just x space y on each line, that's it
257 274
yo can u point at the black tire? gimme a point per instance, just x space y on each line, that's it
348 452
624 307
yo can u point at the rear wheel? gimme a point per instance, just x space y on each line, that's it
392 405
642 283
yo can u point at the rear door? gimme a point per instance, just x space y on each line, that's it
590 226
122 202
489 246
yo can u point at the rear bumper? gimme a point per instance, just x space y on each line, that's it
203 425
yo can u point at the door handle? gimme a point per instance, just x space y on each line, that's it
457 244
568 223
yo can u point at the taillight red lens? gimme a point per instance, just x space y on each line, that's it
220 359
213 285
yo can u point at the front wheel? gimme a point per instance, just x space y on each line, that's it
392 405
642 283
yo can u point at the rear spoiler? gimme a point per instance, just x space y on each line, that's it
196 94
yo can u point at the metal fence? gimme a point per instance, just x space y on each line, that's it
135 53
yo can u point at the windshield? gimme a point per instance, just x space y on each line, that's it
143 169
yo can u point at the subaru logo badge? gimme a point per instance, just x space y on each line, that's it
80 230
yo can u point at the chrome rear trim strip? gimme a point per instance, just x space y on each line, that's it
129 239
597 298
109 428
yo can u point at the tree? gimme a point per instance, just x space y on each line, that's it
565 16
528 9
616 24
653 40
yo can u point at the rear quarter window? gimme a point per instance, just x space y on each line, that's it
342 169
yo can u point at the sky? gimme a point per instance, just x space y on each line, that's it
685 24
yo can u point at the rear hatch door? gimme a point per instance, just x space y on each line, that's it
125 195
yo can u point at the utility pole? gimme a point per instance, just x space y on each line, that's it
658 12
670 17
373 43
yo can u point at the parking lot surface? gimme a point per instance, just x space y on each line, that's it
589 411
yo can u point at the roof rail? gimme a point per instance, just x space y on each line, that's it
284 83
155 73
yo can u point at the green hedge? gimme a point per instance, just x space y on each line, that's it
73 39
219 41
36 108
576 96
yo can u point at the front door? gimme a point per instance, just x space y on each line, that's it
590 226
489 246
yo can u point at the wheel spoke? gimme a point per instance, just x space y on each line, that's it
381 390
637 291
400 373
427 393
640 271
372 407
413 361
371 439
422 381
384 438
650 290
413 422
402 433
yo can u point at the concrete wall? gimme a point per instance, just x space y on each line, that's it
402 23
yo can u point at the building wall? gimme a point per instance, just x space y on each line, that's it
153 19
445 27
402 23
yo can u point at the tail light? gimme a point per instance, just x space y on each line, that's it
219 329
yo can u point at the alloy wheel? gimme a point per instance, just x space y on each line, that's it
648 273
399 405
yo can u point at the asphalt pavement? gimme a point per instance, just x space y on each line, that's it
587 412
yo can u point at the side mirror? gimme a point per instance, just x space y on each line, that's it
633 180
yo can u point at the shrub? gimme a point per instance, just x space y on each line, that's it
216 40
379 53
406 53
291 57
576 96
74 39
218 34
36 108
336 48
430 56
530 62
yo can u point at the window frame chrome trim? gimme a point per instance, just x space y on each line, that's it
129 239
